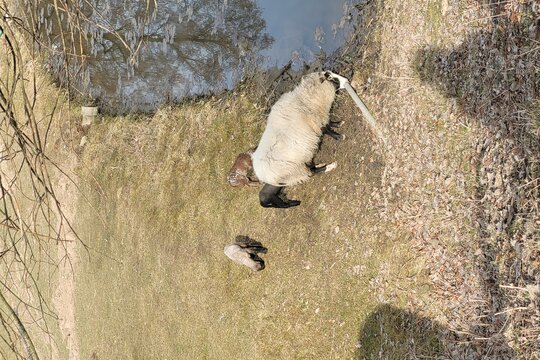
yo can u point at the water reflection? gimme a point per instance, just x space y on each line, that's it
302 29
137 54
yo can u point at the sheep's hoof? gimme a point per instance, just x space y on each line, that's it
292 203
330 167
337 124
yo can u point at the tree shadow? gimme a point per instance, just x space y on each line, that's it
393 333
494 77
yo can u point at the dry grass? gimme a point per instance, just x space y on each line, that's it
455 86
372 232
34 228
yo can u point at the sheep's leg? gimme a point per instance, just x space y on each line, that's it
269 197
327 130
256 249
251 245
256 258
319 169
336 124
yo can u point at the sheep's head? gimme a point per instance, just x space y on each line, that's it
337 80
327 76
241 172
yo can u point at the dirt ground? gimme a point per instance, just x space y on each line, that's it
455 85
425 246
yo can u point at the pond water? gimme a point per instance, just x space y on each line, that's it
302 29
139 54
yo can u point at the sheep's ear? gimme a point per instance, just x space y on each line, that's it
327 75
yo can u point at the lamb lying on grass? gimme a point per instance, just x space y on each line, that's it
297 121
245 252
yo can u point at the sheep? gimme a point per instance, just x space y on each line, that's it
241 172
295 125
244 252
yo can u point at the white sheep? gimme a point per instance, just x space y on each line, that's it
285 153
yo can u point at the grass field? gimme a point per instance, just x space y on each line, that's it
425 247
161 214
385 258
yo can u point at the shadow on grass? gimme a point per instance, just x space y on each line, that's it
392 333
494 76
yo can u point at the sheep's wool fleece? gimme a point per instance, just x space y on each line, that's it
293 131
240 256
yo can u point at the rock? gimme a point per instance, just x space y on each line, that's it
89 114
498 180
